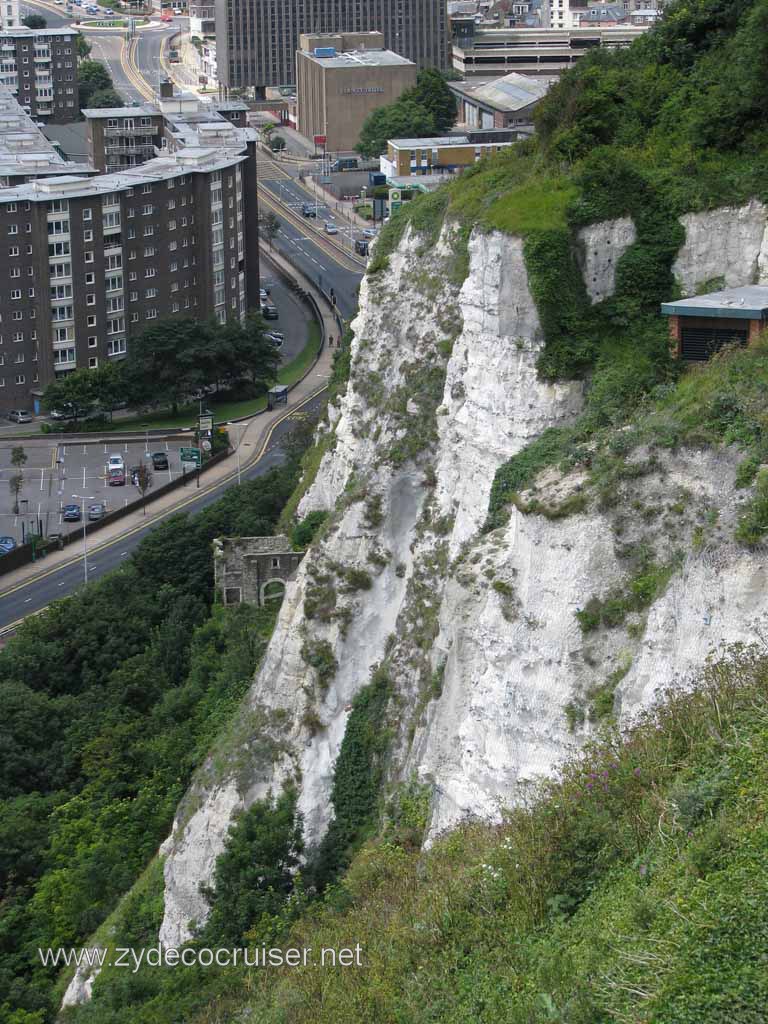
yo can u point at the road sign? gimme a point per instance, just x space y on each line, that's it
206 446
320 140
395 199
191 455
205 423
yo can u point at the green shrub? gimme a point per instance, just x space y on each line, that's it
752 528
318 654
303 533
357 579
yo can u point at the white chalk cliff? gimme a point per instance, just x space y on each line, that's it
444 390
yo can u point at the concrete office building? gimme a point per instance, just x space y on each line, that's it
88 263
39 66
256 40
341 79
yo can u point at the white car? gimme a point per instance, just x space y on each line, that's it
115 462
330 228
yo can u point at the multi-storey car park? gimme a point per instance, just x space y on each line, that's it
87 263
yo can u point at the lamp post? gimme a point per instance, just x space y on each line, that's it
83 498
241 429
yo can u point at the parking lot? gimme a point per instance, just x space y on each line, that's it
56 475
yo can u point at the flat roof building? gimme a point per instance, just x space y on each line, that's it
448 154
545 52
702 325
341 79
256 40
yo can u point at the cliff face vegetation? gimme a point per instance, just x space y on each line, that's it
508 729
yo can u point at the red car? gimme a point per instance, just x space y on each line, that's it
116 478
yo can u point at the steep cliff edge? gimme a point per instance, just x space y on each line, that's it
494 674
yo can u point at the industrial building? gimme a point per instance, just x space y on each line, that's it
341 79
507 102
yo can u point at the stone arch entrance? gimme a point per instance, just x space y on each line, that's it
271 590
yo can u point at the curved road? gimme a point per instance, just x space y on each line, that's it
35 594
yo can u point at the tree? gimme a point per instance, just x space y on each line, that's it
105 98
143 482
18 457
82 47
269 227
34 21
15 484
253 876
276 143
108 386
432 93
266 131
73 393
92 77
405 119
168 362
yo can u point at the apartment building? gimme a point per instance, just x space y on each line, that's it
39 66
87 263
256 40
10 14
122 137
25 153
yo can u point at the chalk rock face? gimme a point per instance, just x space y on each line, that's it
728 244
443 391
600 248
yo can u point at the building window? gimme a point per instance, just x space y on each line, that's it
93 341
93 362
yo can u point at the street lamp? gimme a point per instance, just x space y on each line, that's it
83 498
241 431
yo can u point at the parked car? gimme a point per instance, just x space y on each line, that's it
72 514
116 477
7 544
20 416
159 460
308 210
330 228
60 414
115 461
269 312
263 295
97 511
276 338
134 471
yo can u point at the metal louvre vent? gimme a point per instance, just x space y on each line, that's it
700 343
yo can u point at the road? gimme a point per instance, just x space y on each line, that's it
51 585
